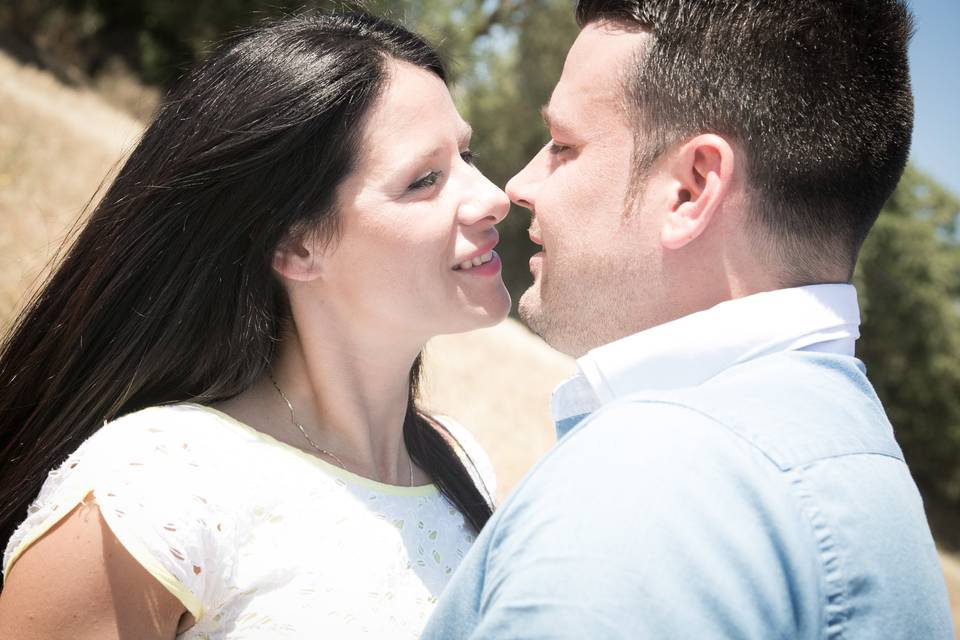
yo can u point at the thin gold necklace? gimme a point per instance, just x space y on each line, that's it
326 452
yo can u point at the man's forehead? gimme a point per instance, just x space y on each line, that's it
603 48
593 72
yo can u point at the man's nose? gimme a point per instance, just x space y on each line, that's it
521 188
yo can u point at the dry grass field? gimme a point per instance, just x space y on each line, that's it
56 146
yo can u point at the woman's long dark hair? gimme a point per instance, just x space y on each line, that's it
167 294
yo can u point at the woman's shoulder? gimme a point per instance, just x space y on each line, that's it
170 433
157 475
158 437
196 423
158 449
159 454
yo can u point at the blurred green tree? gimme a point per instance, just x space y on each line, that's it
513 71
909 283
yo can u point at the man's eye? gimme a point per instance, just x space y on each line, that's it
468 156
556 149
426 181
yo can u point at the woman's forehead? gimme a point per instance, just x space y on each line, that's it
415 111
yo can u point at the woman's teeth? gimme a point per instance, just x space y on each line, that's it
476 262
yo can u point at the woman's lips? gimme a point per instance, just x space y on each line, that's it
486 269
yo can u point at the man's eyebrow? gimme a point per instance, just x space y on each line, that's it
545 113
551 120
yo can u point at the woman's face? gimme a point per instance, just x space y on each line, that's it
414 214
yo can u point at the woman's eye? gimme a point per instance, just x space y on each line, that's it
426 181
556 149
468 156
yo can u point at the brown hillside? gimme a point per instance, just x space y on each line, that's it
58 143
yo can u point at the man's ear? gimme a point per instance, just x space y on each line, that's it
298 259
700 174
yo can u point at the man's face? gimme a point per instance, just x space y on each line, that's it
598 263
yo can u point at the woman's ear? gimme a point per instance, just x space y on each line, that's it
298 259
701 174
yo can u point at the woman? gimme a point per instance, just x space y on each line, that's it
245 310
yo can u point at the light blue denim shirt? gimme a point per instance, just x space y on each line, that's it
730 475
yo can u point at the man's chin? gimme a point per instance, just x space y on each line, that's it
564 334
530 309
537 318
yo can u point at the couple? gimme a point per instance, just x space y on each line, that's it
246 308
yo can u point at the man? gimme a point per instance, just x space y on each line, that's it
725 469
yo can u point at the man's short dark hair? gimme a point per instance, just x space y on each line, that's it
816 93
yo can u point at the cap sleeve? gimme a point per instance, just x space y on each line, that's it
154 478
474 457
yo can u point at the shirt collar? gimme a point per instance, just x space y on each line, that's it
693 349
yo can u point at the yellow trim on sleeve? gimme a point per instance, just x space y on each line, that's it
153 566
75 499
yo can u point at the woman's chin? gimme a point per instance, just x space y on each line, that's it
499 309
481 316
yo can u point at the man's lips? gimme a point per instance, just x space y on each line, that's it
537 258
535 264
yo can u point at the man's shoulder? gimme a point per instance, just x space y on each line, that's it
794 408
750 485
647 448
646 421
655 484
739 431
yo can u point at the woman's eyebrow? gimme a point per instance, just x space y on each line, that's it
462 140
466 134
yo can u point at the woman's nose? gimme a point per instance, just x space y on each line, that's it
489 202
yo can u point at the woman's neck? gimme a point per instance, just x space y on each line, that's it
349 389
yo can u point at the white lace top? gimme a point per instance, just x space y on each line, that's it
258 539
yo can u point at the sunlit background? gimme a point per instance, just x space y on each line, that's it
934 55
78 79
